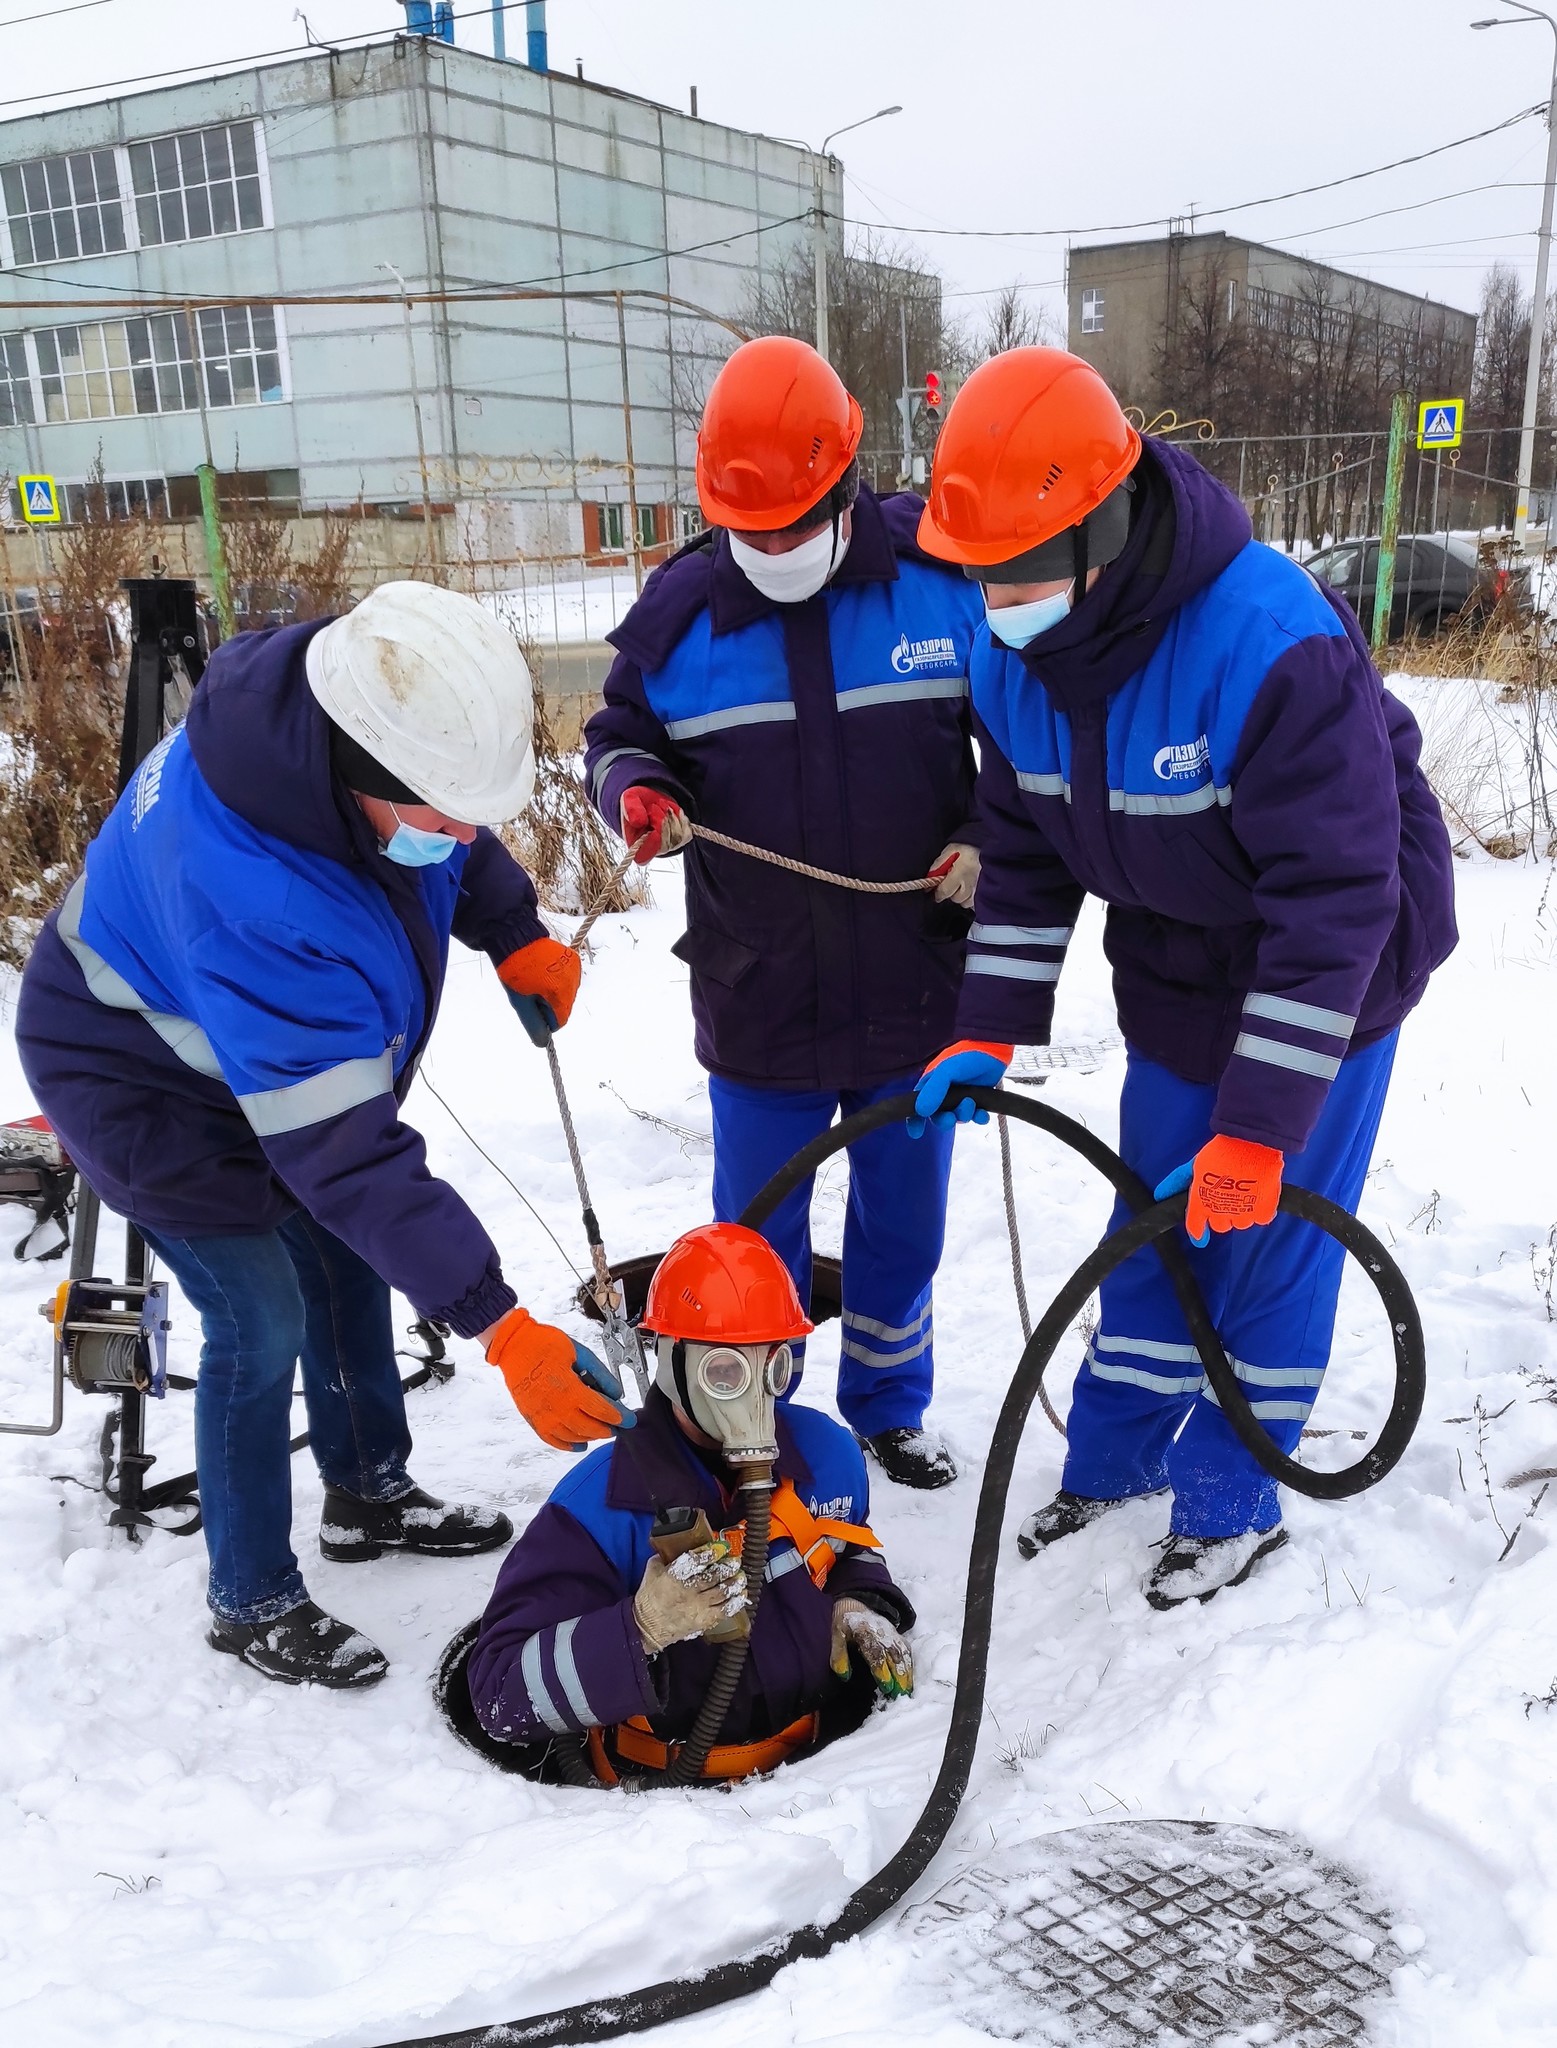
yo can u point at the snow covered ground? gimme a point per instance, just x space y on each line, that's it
189 1855
567 609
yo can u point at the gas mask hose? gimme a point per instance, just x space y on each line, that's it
756 1496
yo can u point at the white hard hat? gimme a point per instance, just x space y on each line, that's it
438 692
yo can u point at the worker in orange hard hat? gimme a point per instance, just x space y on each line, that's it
592 1632
1183 722
796 679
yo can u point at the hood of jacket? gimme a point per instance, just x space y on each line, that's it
704 575
1184 531
262 743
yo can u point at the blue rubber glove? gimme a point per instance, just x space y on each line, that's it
971 1061
1174 1184
536 1015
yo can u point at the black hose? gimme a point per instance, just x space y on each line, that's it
731 1662
603 2019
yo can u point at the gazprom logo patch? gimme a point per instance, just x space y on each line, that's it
937 656
148 782
1173 764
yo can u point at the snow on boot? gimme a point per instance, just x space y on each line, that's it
351 1529
1064 1515
913 1457
304 1646
1198 1567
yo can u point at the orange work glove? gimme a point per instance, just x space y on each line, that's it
1233 1184
653 823
548 971
558 1387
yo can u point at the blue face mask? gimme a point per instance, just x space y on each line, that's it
1017 624
413 847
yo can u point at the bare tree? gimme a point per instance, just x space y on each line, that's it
1012 322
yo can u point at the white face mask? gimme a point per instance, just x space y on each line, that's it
792 578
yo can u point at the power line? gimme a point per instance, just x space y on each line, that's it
1121 227
77 7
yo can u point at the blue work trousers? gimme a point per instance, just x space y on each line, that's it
892 1233
267 1302
1141 1415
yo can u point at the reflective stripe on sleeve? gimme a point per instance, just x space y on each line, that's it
606 761
1043 785
1203 799
535 1685
1013 970
1306 1016
567 1674
1296 1058
1021 934
272 1111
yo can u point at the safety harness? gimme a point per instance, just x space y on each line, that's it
818 1541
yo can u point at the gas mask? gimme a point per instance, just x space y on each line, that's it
727 1391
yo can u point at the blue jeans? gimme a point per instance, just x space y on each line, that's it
892 1233
266 1302
1141 1415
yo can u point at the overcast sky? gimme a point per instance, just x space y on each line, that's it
1045 115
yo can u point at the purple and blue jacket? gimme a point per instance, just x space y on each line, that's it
1205 744
559 1651
223 1018
836 732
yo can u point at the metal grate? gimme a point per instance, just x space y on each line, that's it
1164 1932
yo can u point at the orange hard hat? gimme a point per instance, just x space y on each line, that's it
778 432
1033 443
724 1284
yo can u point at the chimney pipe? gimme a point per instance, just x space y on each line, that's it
535 35
694 102
499 32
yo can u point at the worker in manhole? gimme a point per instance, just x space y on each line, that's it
796 679
1179 720
605 1627
221 1022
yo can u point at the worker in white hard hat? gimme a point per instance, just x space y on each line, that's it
221 1021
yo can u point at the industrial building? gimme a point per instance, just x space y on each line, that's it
1127 302
295 191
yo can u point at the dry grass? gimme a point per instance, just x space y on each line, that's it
273 583
560 839
63 724
1490 750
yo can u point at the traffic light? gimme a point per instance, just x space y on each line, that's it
932 390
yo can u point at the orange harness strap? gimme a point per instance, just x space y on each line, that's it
636 1743
812 1535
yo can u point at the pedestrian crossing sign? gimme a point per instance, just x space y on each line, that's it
40 500
1440 422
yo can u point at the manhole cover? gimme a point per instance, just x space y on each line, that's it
1161 1932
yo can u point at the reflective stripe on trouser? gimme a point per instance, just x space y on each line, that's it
1140 1417
892 1233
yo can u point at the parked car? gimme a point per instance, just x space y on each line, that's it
1438 579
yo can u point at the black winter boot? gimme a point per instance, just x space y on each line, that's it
351 1529
1198 1567
1064 1516
304 1646
913 1457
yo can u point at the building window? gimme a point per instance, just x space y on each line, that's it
16 408
613 529
690 518
1092 311
242 360
84 372
129 497
1232 298
192 186
163 363
63 206
114 369
648 526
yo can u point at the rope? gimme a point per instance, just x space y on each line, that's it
1013 1231
800 867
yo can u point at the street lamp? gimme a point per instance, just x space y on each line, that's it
1525 13
819 217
